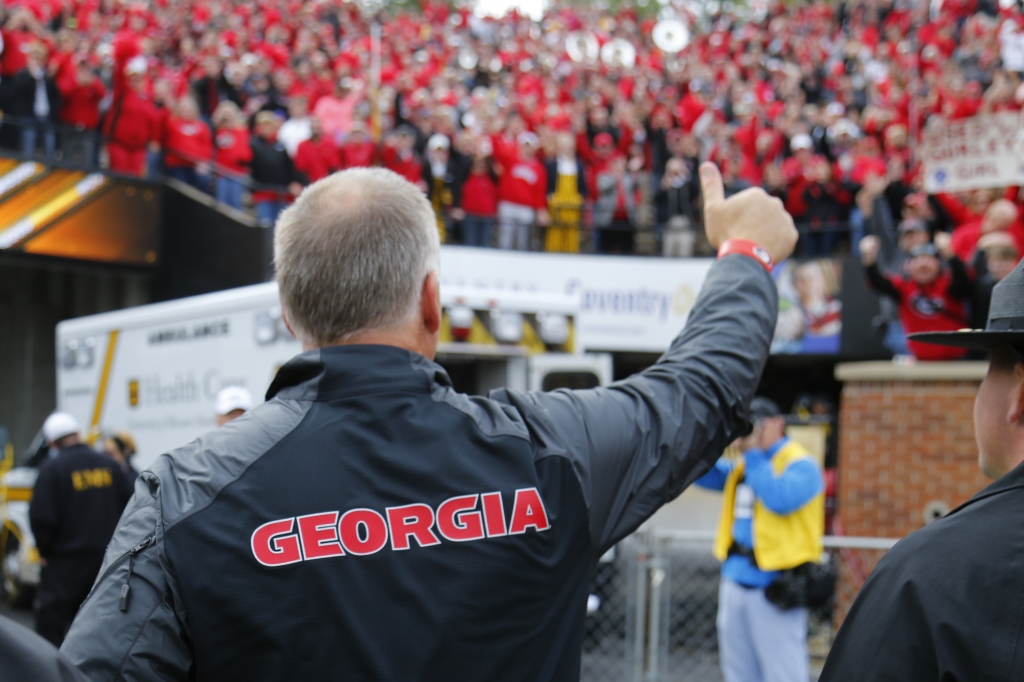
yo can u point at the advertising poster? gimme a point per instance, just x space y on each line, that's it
810 308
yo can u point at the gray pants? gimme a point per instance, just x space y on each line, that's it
757 641
515 222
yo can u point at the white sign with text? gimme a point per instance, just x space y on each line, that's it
626 303
983 151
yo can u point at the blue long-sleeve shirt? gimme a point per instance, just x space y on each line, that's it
784 494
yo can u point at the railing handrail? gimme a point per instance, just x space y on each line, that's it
829 541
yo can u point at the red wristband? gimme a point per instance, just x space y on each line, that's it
747 248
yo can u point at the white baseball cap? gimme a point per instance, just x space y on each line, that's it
231 398
438 141
801 141
58 425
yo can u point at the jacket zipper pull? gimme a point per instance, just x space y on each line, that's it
126 589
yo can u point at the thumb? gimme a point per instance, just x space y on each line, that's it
711 184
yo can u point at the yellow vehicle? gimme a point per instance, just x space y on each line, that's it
19 570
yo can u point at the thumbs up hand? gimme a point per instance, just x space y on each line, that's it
752 215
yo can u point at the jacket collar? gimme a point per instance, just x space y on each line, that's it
344 371
1011 481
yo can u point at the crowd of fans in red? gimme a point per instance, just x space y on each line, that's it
819 104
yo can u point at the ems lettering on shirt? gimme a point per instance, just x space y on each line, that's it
85 479
361 531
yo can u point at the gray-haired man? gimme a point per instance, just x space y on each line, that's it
367 522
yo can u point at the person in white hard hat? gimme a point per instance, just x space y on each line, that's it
232 402
77 502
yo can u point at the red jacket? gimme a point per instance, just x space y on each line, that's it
361 155
408 167
130 120
233 150
524 182
80 104
317 159
186 141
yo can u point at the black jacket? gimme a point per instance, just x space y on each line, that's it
22 96
24 655
947 602
369 523
77 501
271 165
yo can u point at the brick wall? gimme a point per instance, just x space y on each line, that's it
906 442
902 445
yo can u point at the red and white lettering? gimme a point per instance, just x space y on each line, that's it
363 531
528 511
319 535
274 544
494 514
458 521
412 520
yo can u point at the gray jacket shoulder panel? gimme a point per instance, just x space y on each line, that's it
192 476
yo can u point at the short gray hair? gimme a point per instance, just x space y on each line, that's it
351 254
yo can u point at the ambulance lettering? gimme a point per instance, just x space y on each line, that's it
360 532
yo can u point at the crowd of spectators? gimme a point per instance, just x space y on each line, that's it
519 146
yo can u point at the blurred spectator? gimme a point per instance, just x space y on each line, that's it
81 93
522 191
335 111
399 155
233 154
298 128
128 125
212 88
996 256
188 146
567 189
271 167
477 204
826 210
999 215
440 175
317 157
358 150
120 447
615 210
931 297
35 102
231 403
675 204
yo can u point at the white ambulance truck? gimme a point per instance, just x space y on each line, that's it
155 370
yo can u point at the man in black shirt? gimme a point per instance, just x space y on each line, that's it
77 502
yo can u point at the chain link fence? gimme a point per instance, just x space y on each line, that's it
654 601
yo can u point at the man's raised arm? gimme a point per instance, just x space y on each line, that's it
638 443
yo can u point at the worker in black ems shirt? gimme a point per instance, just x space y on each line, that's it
367 522
77 501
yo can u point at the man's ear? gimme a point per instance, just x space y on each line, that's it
430 304
1016 415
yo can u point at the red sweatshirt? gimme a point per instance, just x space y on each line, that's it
524 182
233 150
480 195
317 159
186 141
130 120
80 104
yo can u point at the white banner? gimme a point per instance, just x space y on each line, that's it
627 303
983 151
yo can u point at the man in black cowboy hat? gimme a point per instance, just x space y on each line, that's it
947 602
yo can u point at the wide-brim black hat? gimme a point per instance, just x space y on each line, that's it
1005 326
